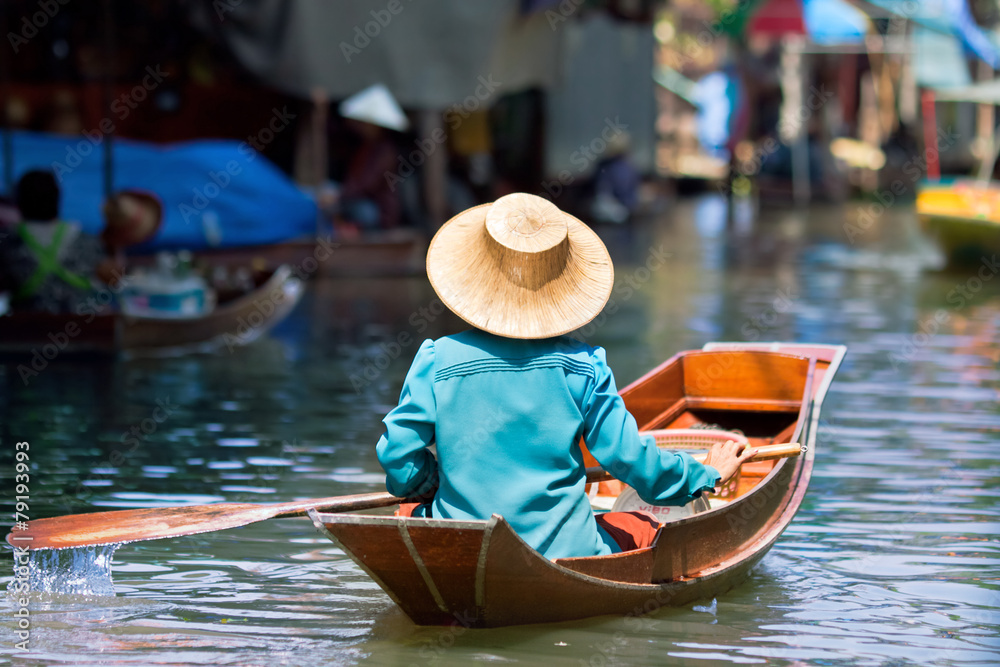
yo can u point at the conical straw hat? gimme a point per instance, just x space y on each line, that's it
377 106
520 268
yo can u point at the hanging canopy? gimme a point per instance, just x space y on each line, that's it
987 92
777 17
939 60
832 22
430 55
822 21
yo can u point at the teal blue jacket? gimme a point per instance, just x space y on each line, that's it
506 417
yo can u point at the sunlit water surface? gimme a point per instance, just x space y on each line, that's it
893 559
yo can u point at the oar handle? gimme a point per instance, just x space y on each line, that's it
764 453
770 452
355 503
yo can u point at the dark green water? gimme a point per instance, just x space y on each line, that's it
894 558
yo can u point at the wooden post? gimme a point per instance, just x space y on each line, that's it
435 170
109 82
319 123
985 120
793 123
930 136
8 138
869 127
908 105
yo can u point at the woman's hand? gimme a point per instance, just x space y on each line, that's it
727 457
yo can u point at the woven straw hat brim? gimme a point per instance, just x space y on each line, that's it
466 277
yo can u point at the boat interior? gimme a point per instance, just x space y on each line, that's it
761 396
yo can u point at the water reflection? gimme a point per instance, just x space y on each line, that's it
893 558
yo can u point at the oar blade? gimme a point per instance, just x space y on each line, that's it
82 530
154 523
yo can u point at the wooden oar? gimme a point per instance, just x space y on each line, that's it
83 530
120 526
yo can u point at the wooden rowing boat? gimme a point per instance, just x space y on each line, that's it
234 322
481 574
963 217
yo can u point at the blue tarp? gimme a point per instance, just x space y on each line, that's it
251 201
720 99
715 111
835 22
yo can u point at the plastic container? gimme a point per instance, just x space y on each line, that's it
167 291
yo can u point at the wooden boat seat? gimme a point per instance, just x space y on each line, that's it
632 567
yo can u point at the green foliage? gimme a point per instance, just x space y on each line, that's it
732 16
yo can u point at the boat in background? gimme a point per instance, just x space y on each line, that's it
377 255
963 216
239 319
482 574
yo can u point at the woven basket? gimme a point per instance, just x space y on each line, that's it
695 438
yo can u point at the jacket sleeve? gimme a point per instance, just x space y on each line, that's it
410 468
659 476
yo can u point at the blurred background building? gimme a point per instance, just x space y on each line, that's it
602 105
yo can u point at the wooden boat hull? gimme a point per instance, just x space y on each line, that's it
389 254
963 217
231 324
481 574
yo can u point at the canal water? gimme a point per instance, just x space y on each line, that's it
894 558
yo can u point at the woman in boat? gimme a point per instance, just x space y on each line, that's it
46 263
506 403
366 199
